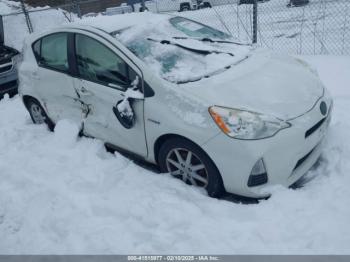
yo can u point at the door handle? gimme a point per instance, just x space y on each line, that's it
85 92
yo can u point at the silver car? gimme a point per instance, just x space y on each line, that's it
208 109
8 66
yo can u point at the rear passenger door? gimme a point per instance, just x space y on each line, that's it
52 81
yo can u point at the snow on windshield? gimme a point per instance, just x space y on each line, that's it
171 48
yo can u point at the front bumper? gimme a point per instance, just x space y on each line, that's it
287 156
9 81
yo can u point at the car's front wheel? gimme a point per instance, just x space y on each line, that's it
38 114
188 162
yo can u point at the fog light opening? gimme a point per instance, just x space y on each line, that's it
258 175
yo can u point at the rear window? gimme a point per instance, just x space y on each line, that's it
195 29
51 51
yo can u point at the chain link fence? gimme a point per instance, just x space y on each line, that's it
314 27
287 26
320 27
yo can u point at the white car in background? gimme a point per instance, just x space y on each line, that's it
211 3
210 110
159 6
118 10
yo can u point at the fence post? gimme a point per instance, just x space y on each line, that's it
76 7
143 6
2 33
255 21
26 15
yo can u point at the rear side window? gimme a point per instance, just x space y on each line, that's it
51 51
97 63
36 49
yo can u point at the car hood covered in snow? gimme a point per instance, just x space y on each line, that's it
265 83
181 50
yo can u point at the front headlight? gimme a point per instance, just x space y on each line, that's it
246 125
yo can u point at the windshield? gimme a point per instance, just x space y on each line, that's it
173 48
194 29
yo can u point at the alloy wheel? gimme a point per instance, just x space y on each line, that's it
185 165
37 114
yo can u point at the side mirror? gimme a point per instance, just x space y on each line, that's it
124 113
123 109
131 93
131 89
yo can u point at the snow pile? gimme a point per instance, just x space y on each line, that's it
66 133
70 196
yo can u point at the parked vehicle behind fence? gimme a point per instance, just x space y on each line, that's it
297 3
122 9
250 2
9 58
159 6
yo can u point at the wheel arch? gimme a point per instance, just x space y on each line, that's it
26 99
166 137
163 138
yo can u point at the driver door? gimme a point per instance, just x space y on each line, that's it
103 78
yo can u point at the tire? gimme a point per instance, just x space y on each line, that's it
38 114
143 10
184 8
206 5
13 93
206 174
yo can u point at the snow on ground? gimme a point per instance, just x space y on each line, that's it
63 194
60 194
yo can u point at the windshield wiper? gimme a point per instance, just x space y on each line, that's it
194 50
216 72
207 39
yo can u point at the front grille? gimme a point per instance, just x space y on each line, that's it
5 65
5 68
303 159
257 180
8 85
314 128
5 60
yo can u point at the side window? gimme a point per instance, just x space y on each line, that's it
37 50
51 51
98 63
